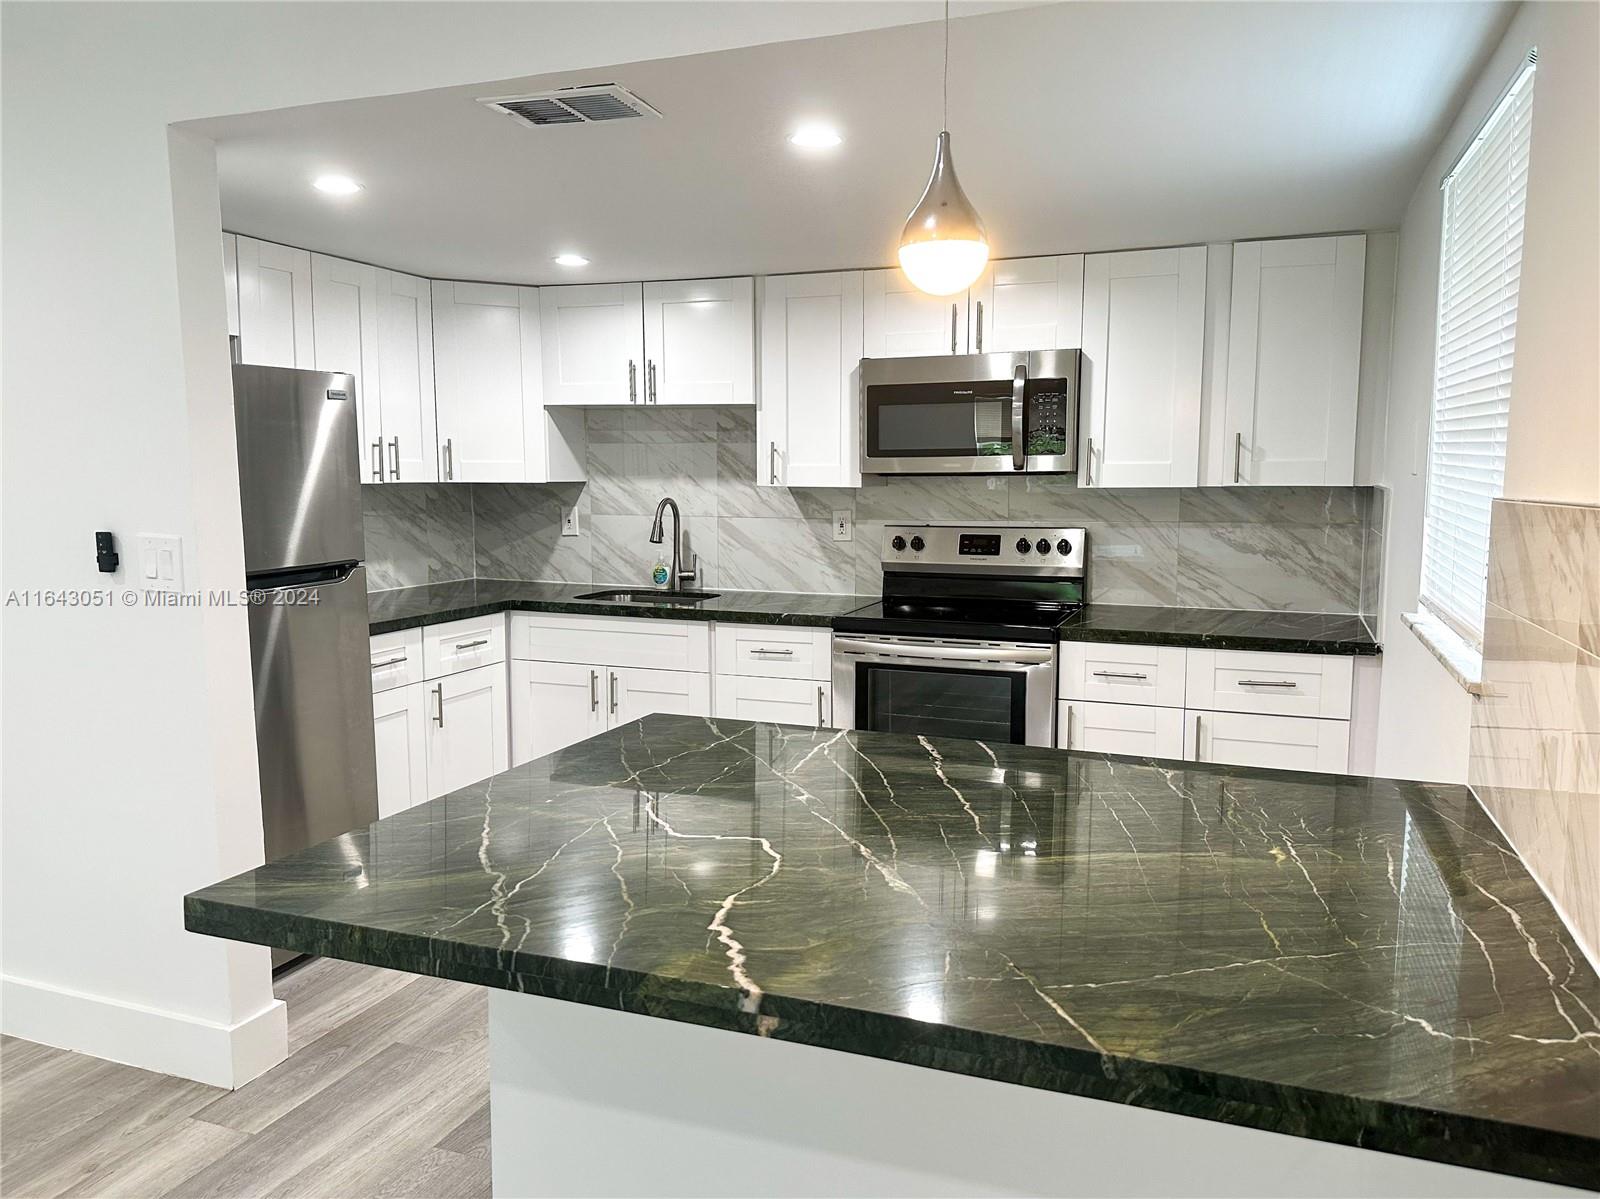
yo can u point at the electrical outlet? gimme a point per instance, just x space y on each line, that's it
569 522
160 562
843 525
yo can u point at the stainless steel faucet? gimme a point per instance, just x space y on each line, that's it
657 534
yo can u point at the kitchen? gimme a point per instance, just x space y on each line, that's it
650 544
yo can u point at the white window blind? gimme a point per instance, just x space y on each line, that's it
1480 263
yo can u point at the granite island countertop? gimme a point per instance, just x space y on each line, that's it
1362 961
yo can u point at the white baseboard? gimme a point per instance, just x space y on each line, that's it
166 1042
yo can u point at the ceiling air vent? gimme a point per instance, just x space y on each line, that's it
573 105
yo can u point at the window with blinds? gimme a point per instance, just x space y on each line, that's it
1480 263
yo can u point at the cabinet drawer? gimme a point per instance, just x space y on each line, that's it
774 652
1279 742
783 701
612 641
1143 731
463 645
1272 684
1123 674
396 659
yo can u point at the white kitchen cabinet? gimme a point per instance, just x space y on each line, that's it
344 323
275 327
1139 730
633 692
648 642
1278 742
465 718
808 425
700 342
1028 304
785 701
554 705
903 322
593 344
400 735
1122 674
230 281
1271 684
1143 352
396 659
407 416
1294 362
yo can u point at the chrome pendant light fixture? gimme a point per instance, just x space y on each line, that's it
943 247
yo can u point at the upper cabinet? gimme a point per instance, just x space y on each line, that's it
344 321
807 427
405 394
902 322
1028 304
593 344
699 342
1143 350
274 304
1294 362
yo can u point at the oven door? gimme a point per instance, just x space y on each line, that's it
1000 692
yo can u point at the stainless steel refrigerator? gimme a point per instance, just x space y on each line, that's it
299 487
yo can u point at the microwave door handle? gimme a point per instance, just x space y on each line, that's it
1019 388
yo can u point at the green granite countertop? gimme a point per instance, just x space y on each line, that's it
1358 960
1224 628
437 603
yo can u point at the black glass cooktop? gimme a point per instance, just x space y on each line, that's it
971 617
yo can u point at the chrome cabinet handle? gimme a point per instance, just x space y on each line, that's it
980 326
953 348
1238 450
1267 683
449 461
1118 674
633 382
1019 390
772 462
650 383
377 461
594 691
472 644
1067 744
1197 755
1088 464
613 693
438 695
820 718
389 662
394 458
761 651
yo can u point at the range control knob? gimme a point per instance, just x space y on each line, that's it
1043 547
1063 547
899 543
1024 545
918 545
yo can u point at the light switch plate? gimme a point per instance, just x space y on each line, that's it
843 525
569 522
160 562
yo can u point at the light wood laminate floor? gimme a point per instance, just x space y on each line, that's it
385 1094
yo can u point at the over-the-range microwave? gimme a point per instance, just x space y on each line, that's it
970 414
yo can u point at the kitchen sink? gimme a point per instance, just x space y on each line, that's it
651 597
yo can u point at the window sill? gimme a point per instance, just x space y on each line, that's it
1463 660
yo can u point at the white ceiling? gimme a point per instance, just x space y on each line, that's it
1078 126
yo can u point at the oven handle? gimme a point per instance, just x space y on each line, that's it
1022 655
1019 391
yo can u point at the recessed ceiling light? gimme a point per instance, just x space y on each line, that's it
571 260
336 185
815 137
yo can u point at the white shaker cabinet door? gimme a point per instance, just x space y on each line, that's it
480 331
400 734
700 342
1144 316
274 304
467 728
1294 361
1028 304
344 321
632 693
1277 742
405 393
593 339
780 701
808 426
1138 730
554 705
902 322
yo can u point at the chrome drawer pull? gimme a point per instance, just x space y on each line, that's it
438 695
1266 683
389 662
1118 674
781 653
481 641
821 694
594 691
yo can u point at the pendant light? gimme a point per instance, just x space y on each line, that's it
943 247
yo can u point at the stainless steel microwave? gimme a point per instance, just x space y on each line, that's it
970 414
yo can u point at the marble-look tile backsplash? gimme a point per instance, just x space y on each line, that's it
1312 549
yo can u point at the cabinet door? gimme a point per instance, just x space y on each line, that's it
466 723
700 342
1294 361
554 705
593 344
1137 730
344 321
808 426
1144 316
405 393
1029 304
478 332
274 304
1278 742
632 693
400 732
902 322
230 281
782 701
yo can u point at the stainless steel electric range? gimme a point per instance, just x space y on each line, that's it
963 643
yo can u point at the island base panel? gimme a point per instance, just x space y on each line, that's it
591 1101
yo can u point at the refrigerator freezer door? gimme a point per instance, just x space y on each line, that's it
309 654
299 474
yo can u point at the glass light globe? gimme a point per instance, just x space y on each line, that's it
943 247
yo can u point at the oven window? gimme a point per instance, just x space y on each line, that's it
936 701
938 420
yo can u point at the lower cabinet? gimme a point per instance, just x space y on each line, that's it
1133 729
783 701
400 732
557 704
1281 742
465 722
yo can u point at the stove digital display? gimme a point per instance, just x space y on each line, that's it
985 545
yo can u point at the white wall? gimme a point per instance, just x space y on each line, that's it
129 766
